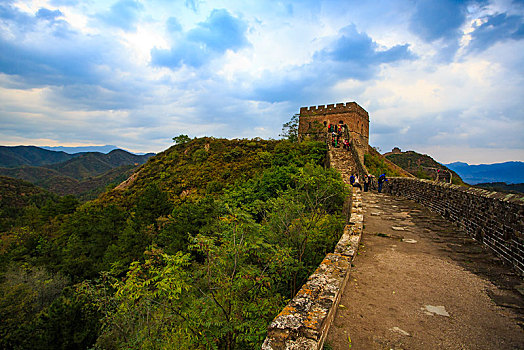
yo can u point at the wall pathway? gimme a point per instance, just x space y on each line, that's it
420 282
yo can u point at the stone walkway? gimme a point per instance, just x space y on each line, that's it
343 162
420 283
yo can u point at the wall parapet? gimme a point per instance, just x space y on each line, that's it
304 323
334 109
496 219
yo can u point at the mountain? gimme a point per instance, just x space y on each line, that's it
206 223
80 149
502 187
56 182
15 195
82 174
421 165
377 164
90 164
509 172
13 156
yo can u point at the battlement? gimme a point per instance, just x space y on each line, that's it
334 109
314 123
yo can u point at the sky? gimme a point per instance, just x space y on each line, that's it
443 77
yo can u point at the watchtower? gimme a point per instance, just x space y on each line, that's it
314 121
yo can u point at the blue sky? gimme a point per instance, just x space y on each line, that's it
440 77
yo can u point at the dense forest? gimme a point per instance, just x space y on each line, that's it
199 249
84 175
421 165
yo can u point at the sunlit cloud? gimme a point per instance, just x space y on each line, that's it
435 75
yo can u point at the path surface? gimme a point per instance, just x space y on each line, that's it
421 283
343 162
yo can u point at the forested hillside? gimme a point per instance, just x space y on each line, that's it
84 175
502 187
200 248
421 165
13 156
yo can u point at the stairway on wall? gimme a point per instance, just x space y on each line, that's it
342 160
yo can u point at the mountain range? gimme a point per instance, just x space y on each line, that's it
83 174
508 172
72 150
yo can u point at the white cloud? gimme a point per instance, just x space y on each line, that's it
88 78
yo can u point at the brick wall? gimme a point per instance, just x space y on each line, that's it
493 218
314 120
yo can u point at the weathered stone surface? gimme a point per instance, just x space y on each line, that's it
493 218
314 120
305 321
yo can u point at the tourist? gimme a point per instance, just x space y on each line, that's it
366 183
381 179
356 183
352 179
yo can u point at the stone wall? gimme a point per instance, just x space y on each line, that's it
314 120
493 218
305 321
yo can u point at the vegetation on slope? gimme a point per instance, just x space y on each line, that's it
376 164
420 164
200 250
502 187
16 197
84 175
13 156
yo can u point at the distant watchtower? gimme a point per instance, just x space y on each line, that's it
314 121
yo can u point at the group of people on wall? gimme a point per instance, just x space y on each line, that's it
368 182
336 131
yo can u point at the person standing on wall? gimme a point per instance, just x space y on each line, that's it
381 179
356 183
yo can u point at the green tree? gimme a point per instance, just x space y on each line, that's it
87 234
304 219
236 296
146 310
181 139
290 129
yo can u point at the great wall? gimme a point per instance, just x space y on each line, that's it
494 219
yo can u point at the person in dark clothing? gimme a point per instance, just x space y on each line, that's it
366 183
381 179
352 179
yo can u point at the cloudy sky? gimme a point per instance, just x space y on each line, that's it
442 77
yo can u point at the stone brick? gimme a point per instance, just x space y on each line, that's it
494 218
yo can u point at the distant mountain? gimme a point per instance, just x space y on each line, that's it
508 172
81 174
91 164
13 156
80 149
502 187
421 165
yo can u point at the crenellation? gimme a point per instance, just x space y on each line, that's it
314 122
